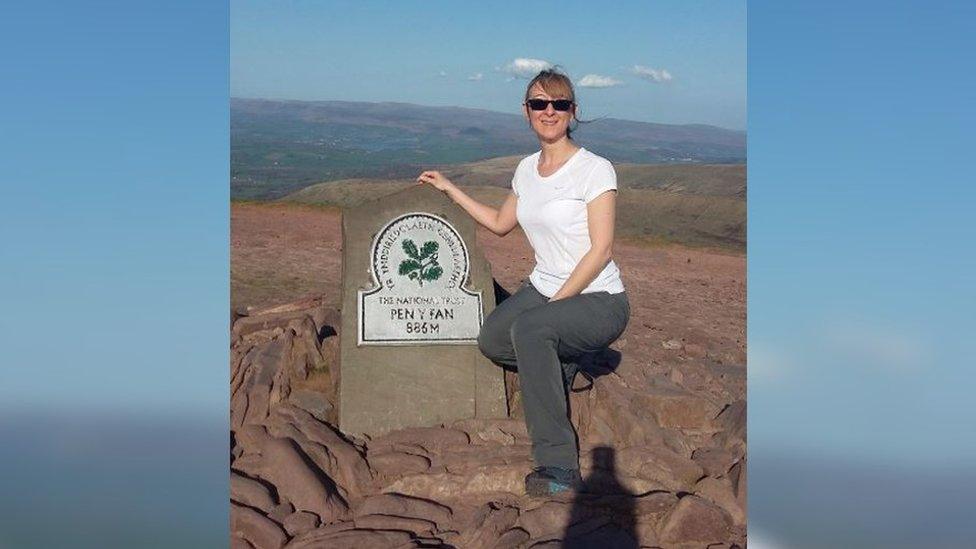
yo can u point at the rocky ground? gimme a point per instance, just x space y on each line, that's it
662 430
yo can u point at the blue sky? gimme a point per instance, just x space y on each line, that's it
861 288
691 56
114 219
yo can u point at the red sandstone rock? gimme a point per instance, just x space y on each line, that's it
260 380
694 520
715 461
299 523
344 461
405 506
250 492
472 458
272 352
551 517
674 406
695 350
281 511
247 325
737 475
719 492
239 543
281 462
489 432
511 539
313 402
731 426
486 479
616 421
487 526
670 470
352 539
430 438
398 464
655 505
420 527
257 529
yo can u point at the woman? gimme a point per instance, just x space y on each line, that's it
574 302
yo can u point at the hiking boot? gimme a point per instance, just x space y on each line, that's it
549 481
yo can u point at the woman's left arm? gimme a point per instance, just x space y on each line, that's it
600 219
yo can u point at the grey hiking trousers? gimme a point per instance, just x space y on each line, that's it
539 339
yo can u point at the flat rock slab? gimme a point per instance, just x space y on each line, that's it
415 290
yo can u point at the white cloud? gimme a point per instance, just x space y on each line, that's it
653 75
524 67
476 77
597 81
875 345
853 344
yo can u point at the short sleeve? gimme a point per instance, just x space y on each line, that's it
515 182
601 178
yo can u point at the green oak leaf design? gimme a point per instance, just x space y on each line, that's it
422 264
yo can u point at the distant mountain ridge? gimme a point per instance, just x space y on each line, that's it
691 204
280 146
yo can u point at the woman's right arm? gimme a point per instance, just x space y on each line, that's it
500 221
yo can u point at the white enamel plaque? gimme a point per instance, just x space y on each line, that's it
419 265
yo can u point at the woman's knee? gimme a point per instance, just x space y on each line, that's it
490 341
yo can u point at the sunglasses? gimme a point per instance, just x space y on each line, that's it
561 105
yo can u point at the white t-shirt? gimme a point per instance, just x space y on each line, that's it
552 212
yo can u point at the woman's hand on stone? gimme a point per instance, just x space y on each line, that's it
436 179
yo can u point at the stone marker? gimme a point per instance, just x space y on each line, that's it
415 290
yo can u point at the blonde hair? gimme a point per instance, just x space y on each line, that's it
556 84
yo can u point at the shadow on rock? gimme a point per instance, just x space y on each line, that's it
597 364
501 294
604 512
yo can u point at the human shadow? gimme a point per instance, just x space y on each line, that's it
603 512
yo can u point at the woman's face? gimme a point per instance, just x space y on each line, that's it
550 125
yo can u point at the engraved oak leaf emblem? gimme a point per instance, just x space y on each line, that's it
421 265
